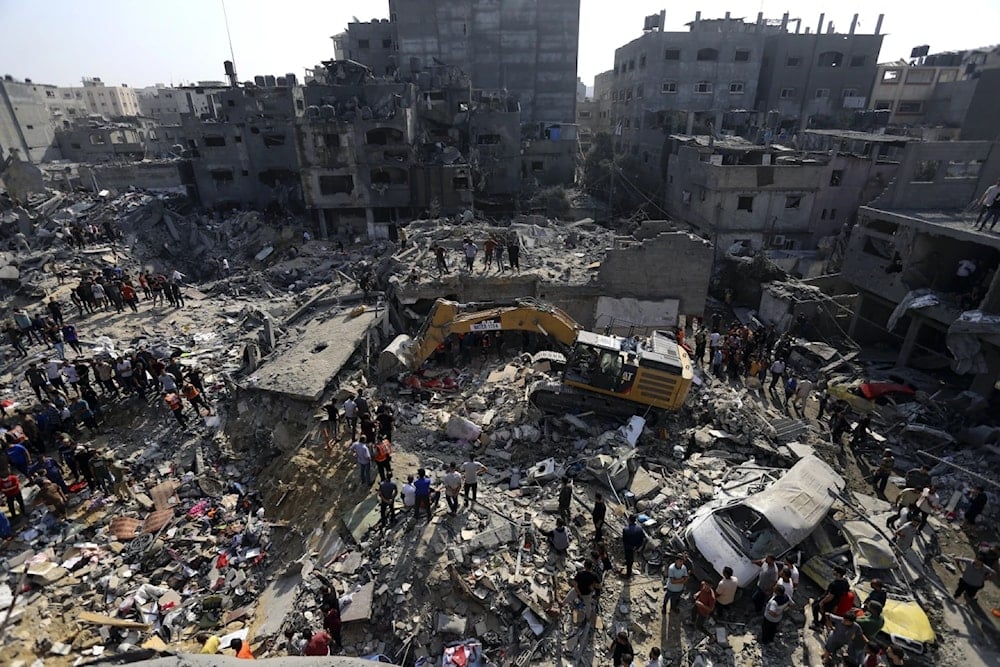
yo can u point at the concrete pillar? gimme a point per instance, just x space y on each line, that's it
719 115
856 315
909 341
819 26
324 232
690 123
991 303
984 383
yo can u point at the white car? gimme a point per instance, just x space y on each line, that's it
735 532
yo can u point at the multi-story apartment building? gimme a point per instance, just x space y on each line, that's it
909 242
109 101
731 76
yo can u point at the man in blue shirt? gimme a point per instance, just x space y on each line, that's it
423 495
19 458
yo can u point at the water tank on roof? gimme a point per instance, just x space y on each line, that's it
269 80
291 79
281 81
259 81
327 111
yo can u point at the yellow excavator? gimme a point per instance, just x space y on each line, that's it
608 374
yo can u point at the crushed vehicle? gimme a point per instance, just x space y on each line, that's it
863 548
863 397
736 531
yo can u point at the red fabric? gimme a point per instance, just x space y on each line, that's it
458 657
845 604
318 645
11 486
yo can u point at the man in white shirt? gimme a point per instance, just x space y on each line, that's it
777 371
725 592
677 576
409 494
928 503
364 456
472 469
989 206
452 487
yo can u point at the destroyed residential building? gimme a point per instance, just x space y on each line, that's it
731 76
902 258
773 197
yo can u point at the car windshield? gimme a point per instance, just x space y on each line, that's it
750 532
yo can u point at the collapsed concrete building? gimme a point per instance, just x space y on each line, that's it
903 258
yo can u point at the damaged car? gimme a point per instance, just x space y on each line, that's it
863 548
737 531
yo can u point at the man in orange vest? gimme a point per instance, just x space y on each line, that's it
173 401
242 649
383 458
194 397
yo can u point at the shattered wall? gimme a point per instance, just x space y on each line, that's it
172 176
638 270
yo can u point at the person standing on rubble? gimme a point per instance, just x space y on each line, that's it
831 598
700 341
766 579
55 310
565 499
422 496
860 432
774 610
704 605
471 470
597 514
383 458
973 578
881 477
439 259
11 487
725 592
52 495
514 251
387 491
386 418
351 415
777 371
677 578
633 541
452 487
928 503
489 249
470 250
364 457
173 402
977 503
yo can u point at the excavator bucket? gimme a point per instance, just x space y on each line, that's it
396 357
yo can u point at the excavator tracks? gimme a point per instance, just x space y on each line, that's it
556 398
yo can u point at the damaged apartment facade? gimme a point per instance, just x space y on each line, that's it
902 259
760 80
746 197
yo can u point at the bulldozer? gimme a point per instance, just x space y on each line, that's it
604 373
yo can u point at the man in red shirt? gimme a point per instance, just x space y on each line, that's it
11 487
704 605
318 645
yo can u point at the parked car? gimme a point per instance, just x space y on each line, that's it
736 531
866 552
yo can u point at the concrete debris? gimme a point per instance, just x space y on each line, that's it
257 521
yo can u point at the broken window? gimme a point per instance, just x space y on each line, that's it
744 203
883 105
793 61
926 171
582 114
672 54
959 169
703 87
386 43
823 215
742 55
858 61
891 76
708 54
787 93
382 136
364 44
822 93
830 59
271 140
833 214
76 146
221 175
910 107
389 176
631 64
537 166
638 91
460 183
736 88
836 177
335 185
793 201
668 87
238 139
214 141
642 61
331 140
97 139
849 92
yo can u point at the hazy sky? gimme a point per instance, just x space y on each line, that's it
142 42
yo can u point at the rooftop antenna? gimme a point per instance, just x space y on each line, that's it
229 37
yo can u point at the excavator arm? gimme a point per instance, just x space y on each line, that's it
450 317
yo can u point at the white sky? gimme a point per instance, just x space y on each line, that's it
142 42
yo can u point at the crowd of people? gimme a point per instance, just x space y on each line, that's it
494 248
75 389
